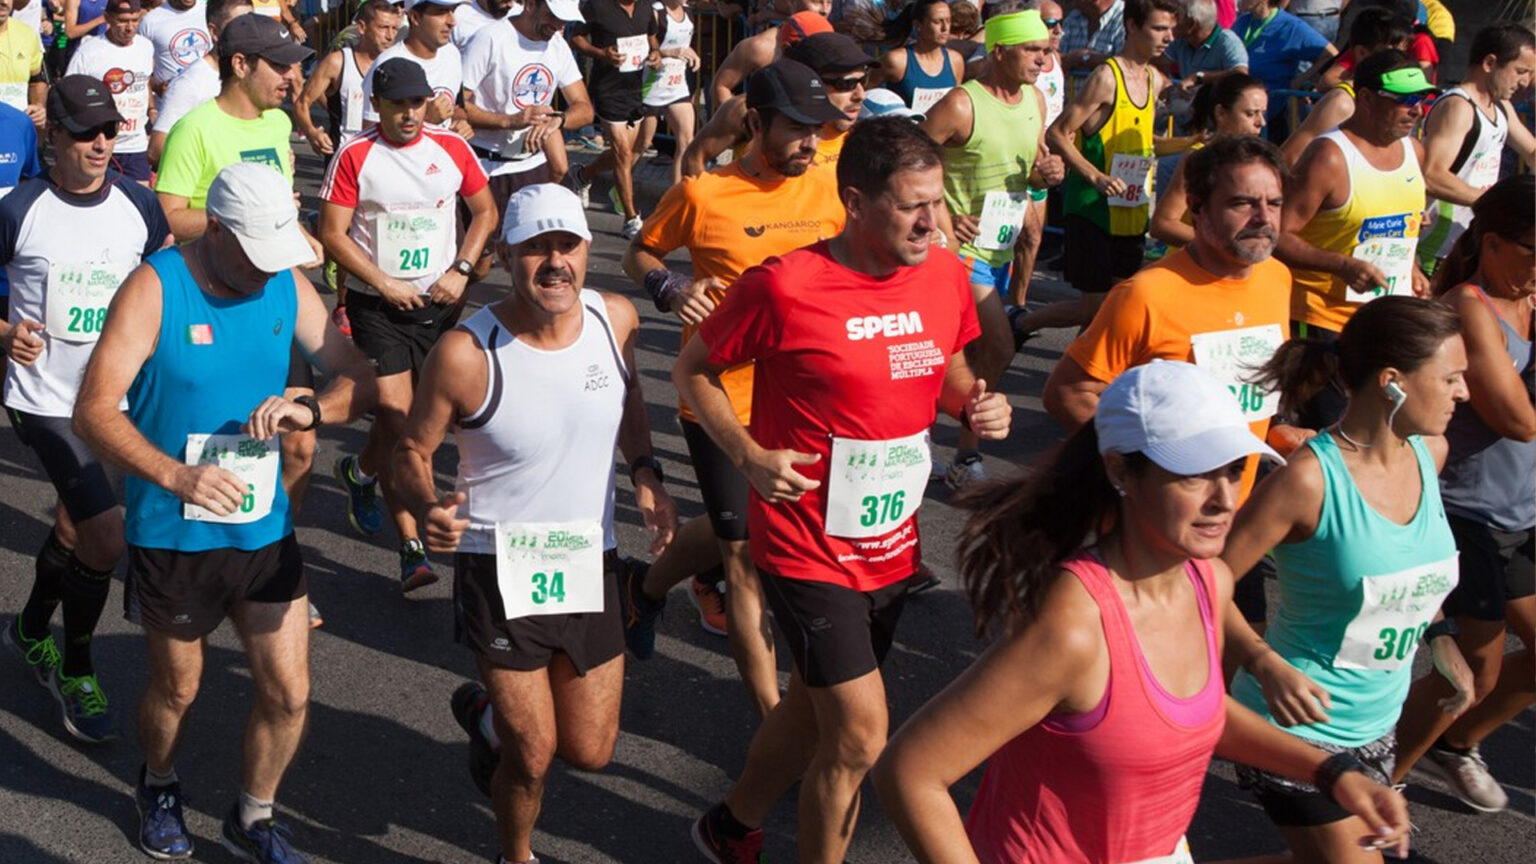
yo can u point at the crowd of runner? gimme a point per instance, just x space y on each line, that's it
1304 353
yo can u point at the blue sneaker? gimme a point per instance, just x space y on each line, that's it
162 830
640 612
41 655
86 713
363 509
415 569
267 842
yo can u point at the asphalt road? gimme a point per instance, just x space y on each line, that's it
381 777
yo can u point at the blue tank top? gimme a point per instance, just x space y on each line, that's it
1354 600
216 359
916 79
1489 478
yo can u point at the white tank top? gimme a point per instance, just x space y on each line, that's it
351 95
1054 86
540 446
669 83
1477 165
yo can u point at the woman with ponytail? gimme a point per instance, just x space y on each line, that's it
1097 709
923 70
1489 489
1364 559
1233 106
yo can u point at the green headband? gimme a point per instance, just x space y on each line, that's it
1016 28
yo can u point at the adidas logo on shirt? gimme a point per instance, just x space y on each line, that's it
433 169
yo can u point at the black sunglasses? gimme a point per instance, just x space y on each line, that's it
1051 23
845 85
108 129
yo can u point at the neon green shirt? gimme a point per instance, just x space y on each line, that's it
207 139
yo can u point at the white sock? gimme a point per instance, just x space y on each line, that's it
253 810
488 729
153 780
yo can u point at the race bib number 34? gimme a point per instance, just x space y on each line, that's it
254 462
549 568
1394 610
875 486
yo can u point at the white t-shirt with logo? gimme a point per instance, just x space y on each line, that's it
180 37
469 18
445 72
126 70
190 88
509 72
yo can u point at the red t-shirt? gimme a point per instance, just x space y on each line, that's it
839 353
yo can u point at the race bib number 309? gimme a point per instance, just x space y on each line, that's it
1394 610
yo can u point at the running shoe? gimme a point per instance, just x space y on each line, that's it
266 842
967 469
328 275
710 837
575 180
162 830
363 509
1468 778
468 704
42 655
415 569
631 228
1015 315
708 597
342 322
315 618
613 198
86 713
640 612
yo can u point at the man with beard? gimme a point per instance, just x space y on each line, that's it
471 17
730 219
1217 303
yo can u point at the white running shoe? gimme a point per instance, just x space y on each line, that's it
1468 778
631 229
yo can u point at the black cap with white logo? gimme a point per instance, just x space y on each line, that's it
793 90
263 37
399 79
81 103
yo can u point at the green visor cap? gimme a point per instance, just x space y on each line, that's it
1406 81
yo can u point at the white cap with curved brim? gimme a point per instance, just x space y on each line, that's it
255 203
541 209
1177 414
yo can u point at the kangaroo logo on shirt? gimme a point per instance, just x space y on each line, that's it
188 45
534 84
754 230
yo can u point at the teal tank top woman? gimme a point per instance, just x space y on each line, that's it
216 359
1355 598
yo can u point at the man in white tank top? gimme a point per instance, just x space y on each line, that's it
536 571
337 81
1464 137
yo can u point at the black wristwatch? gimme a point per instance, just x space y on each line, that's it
1443 627
314 408
463 267
650 462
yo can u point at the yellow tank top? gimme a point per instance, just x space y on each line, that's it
1122 148
1379 223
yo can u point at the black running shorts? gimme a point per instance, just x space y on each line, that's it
1496 567
1096 261
836 634
722 486
589 639
397 340
85 484
188 594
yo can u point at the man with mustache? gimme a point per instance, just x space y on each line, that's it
1220 302
536 574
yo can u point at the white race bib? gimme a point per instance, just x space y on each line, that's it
674 74
875 486
352 115
1002 215
14 94
1180 855
1394 610
549 568
79 293
1388 243
1136 173
407 243
254 462
924 98
1232 356
635 49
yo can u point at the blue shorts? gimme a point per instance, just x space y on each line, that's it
986 274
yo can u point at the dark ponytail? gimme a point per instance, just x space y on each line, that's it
899 28
1224 93
1019 530
1400 332
1507 209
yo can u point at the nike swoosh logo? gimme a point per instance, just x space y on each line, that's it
283 224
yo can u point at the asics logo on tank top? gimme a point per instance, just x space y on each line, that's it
189 45
870 326
534 85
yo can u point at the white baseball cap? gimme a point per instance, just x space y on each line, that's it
412 4
881 102
565 10
1179 415
540 209
254 201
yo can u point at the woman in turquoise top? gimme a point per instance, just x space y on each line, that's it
1364 556
925 69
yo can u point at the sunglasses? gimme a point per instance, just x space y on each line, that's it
107 129
1051 23
845 85
1409 100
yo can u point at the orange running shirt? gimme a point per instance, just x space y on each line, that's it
730 221
1163 310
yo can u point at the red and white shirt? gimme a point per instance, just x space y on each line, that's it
404 199
841 355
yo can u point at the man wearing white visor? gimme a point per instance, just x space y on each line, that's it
536 568
199 340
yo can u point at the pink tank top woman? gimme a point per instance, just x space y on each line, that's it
1115 785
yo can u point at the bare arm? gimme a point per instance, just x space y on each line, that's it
335 236
1071 395
73 27
186 223
1498 394
657 511
1095 96
965 398
743 60
352 389
1168 223
725 128
1321 180
1520 138
893 67
1444 132
323 82
1334 108
453 382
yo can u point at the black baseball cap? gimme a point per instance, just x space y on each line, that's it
81 103
829 52
398 79
124 7
262 36
793 90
